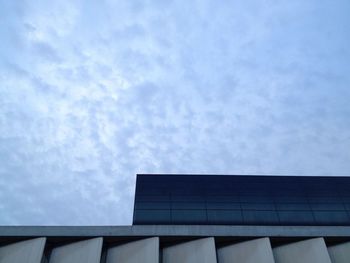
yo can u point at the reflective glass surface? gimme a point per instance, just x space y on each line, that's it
242 200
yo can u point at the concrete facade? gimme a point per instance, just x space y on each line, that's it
340 253
184 248
258 250
87 251
197 251
146 250
175 230
30 251
308 251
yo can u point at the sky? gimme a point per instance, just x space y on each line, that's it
94 92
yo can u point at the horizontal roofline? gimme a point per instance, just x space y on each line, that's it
174 230
243 175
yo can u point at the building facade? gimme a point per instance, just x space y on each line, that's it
205 218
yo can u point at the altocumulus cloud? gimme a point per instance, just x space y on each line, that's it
93 92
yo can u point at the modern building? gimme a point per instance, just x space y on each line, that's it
205 219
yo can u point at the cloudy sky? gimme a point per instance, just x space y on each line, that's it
93 92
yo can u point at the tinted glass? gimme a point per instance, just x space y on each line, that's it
225 216
264 217
296 217
224 206
153 216
242 200
188 216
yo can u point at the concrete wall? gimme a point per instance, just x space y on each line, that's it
152 249
146 251
197 251
30 251
308 251
258 250
87 251
340 253
171 230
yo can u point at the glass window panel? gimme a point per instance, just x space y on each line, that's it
296 217
151 216
187 191
188 205
152 205
188 198
327 206
222 190
260 217
256 199
346 199
223 198
290 199
146 198
331 217
188 216
225 216
225 206
258 206
324 199
293 206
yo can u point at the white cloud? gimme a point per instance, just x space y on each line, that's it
91 94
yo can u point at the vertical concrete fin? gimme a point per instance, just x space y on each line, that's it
308 251
340 253
258 250
87 251
29 251
145 250
197 251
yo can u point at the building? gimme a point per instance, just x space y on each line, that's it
205 219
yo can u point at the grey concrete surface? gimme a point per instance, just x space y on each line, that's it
258 250
146 251
340 253
29 251
197 251
174 230
87 251
307 251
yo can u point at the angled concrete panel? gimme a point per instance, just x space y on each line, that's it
146 250
258 250
308 251
87 251
197 251
29 251
340 253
